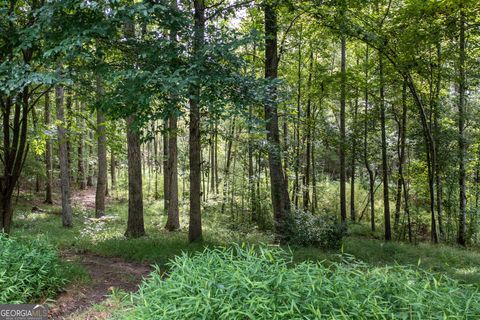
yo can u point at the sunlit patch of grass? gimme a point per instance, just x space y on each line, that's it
441 259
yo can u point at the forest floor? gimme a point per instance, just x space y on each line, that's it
104 265
84 198
107 275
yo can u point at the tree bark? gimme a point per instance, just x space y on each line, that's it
67 218
308 138
462 145
68 132
296 186
173 221
353 164
195 148
102 157
401 156
371 177
80 161
166 173
135 224
48 154
279 191
401 160
113 173
386 200
90 165
436 128
343 178
228 160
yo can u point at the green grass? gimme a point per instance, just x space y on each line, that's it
458 263
261 283
107 238
30 271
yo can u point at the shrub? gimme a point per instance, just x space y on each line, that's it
28 271
262 283
322 231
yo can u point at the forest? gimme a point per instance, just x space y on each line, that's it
240 159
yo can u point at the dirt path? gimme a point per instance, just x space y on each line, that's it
106 274
85 198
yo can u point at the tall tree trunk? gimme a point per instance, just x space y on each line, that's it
48 154
195 148
285 148
173 221
296 187
371 177
102 157
308 147
215 158
436 128
113 173
279 191
343 177
34 123
251 171
312 157
212 163
353 159
401 163
401 157
228 160
80 161
67 219
135 224
251 174
156 147
462 145
69 136
89 164
386 201
166 173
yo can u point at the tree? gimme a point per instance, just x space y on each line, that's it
343 142
135 223
195 225
101 155
67 219
173 220
462 147
386 200
81 181
48 154
279 191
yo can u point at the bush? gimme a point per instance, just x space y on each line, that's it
262 283
28 271
306 229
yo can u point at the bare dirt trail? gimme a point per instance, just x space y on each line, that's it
84 198
106 274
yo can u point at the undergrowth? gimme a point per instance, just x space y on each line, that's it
246 282
29 271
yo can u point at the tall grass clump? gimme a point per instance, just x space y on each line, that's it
243 282
29 271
